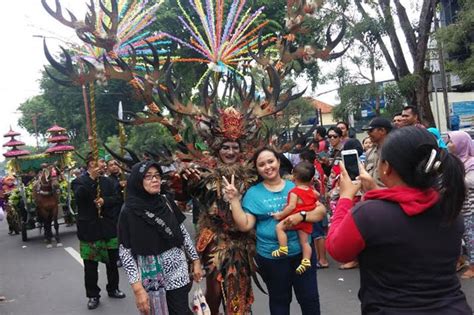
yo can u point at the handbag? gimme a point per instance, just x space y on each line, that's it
200 306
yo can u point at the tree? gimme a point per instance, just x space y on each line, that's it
457 37
353 97
149 137
416 35
65 106
368 57
394 100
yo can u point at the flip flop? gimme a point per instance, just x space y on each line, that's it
467 275
342 267
320 266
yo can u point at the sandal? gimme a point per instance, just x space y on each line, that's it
304 265
461 264
280 252
349 265
468 274
321 266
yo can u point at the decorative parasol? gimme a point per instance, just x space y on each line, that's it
11 133
13 153
60 148
13 144
58 139
56 129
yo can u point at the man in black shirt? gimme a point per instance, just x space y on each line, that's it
96 201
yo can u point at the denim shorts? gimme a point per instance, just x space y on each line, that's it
319 229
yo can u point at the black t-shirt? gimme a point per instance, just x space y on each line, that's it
409 263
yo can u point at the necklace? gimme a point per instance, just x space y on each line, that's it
274 187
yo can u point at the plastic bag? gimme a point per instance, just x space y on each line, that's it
200 306
2 214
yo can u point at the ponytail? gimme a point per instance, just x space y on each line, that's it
452 185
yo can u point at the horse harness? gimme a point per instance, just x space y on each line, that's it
44 185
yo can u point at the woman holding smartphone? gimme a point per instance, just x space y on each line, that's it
406 237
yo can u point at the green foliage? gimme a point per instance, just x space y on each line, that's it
394 99
352 97
297 112
407 85
150 137
460 37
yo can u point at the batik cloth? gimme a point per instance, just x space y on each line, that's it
469 237
153 282
97 250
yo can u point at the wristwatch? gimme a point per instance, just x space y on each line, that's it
303 214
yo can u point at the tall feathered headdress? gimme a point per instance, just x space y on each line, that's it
235 113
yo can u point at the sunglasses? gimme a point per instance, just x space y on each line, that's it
333 136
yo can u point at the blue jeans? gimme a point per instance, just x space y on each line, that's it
280 277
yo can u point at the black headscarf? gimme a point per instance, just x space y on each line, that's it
156 209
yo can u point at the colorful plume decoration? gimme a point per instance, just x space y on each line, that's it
222 39
134 16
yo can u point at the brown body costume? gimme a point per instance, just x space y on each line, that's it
227 253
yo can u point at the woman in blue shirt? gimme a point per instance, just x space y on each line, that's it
255 211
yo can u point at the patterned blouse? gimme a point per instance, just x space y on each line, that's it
173 263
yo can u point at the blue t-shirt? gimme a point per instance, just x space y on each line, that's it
261 203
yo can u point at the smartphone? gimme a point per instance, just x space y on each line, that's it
351 162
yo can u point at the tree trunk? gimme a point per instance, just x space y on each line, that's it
422 100
398 53
373 83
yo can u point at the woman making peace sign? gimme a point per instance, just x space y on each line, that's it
255 211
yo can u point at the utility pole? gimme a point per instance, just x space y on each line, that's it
442 73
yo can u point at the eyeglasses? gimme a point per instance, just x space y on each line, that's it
150 177
333 136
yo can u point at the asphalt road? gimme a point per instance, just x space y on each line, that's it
40 281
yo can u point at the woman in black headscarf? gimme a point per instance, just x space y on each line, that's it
153 245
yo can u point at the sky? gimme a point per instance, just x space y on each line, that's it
22 55
23 23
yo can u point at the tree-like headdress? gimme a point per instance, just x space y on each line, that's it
232 115
235 114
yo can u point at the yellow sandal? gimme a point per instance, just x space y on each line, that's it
305 265
280 252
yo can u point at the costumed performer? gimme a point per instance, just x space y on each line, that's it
227 253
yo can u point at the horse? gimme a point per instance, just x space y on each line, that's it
46 197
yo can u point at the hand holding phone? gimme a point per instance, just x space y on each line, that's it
351 163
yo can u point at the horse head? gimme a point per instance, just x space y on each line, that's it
48 181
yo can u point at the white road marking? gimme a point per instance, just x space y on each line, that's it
71 251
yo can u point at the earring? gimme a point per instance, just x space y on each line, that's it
385 173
